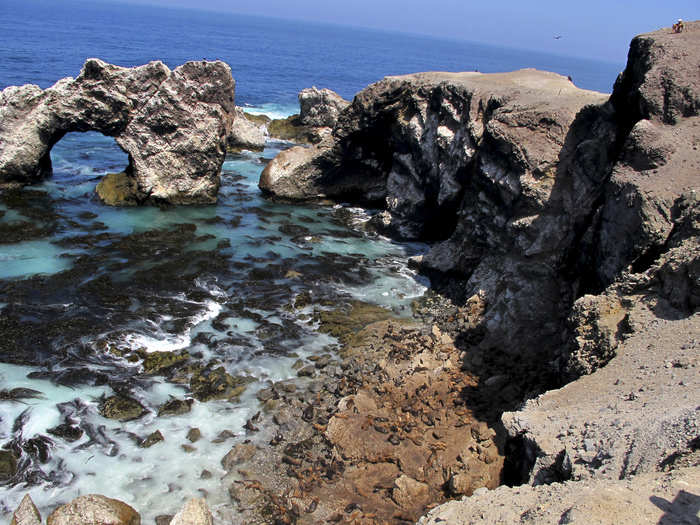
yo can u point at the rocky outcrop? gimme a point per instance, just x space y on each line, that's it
246 133
651 499
658 101
504 167
320 107
173 124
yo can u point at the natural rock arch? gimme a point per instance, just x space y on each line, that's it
172 124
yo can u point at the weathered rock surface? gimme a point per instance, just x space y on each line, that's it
26 513
194 512
94 509
658 100
173 124
649 499
246 133
632 416
320 107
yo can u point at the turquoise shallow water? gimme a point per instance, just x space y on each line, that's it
213 281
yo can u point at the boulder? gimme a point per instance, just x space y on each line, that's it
94 509
246 133
320 107
152 439
238 454
173 124
122 408
408 492
194 512
8 464
26 513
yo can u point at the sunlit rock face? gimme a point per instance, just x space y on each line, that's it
173 124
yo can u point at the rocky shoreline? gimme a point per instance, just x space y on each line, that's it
565 229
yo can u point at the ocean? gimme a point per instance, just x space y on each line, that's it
91 296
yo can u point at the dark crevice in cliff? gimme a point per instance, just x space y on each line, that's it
519 461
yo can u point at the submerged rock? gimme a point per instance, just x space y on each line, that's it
216 383
8 464
175 407
345 321
320 107
292 129
94 509
66 431
157 362
173 124
152 439
122 408
118 189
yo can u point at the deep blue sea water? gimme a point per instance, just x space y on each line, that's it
272 60
215 281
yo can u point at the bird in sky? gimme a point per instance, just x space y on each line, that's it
557 37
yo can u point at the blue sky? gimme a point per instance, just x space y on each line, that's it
595 29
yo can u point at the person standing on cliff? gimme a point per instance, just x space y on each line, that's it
678 26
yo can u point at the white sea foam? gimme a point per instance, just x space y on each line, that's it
273 110
161 341
153 480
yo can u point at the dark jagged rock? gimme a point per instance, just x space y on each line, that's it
173 124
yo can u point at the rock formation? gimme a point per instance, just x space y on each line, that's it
173 124
650 499
320 107
246 133
505 165
574 218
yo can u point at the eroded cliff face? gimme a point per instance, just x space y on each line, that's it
173 124
504 168
538 192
